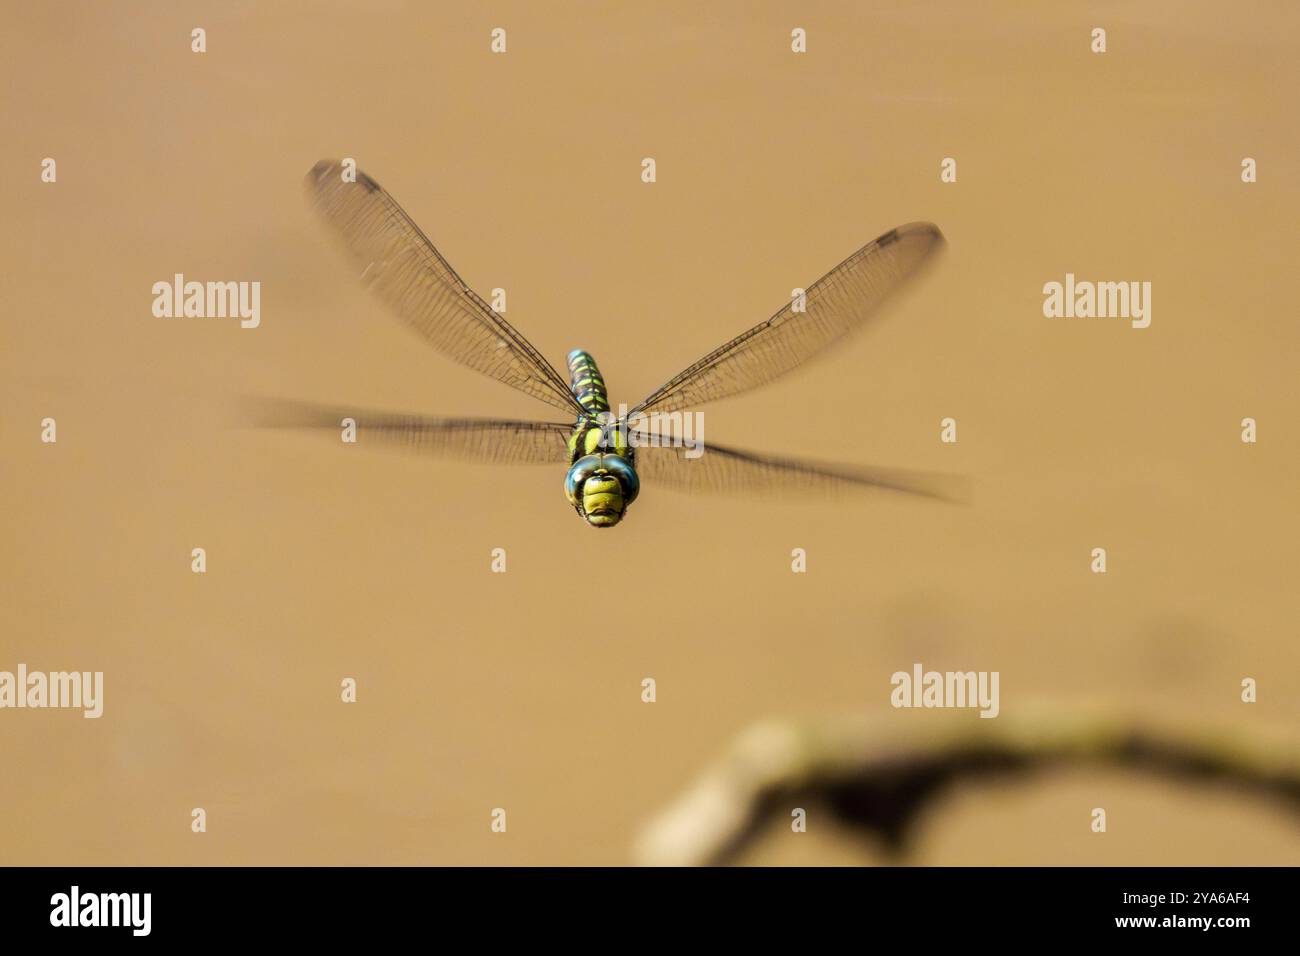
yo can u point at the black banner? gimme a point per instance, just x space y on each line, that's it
205 905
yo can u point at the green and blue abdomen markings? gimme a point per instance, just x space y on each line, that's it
588 387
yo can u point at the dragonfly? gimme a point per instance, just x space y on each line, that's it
607 457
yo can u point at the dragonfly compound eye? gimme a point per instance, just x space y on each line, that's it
581 470
601 487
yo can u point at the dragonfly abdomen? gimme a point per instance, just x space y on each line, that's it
586 382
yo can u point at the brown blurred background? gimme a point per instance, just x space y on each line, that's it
522 690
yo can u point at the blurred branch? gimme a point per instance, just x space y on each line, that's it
880 785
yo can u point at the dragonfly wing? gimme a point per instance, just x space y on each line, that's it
399 263
838 303
482 440
734 470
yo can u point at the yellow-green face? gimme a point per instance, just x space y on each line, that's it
602 501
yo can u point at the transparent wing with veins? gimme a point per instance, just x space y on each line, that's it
720 469
481 440
839 303
398 263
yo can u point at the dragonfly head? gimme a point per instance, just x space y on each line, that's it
600 488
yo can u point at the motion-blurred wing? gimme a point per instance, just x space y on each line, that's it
732 470
838 303
483 440
399 263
